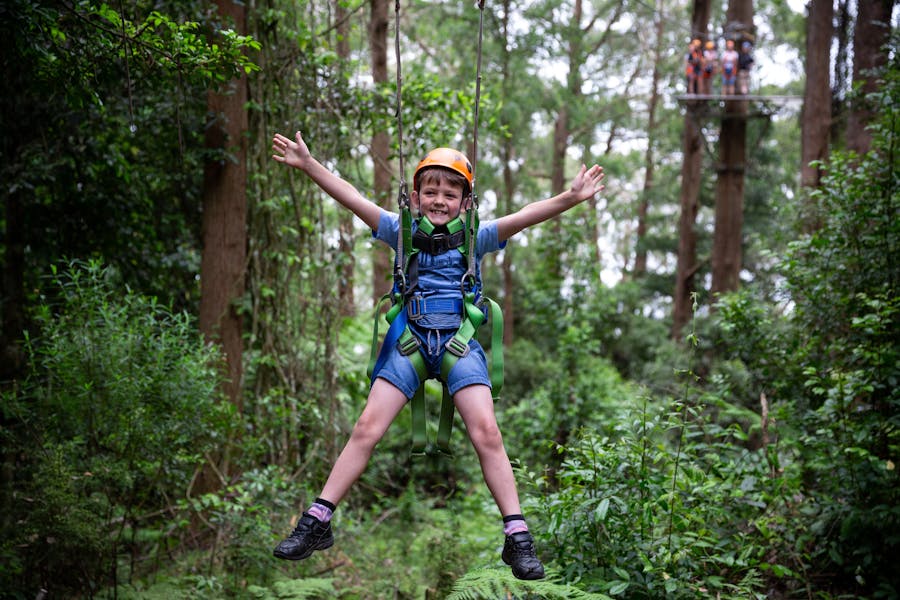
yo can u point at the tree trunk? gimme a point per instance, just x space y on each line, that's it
692 149
224 234
686 267
222 264
560 145
347 266
816 118
729 218
562 132
507 272
700 18
507 152
557 184
842 76
873 28
381 144
12 287
640 260
727 255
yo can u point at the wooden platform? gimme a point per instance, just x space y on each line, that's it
714 105
748 97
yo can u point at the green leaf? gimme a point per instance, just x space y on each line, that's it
618 587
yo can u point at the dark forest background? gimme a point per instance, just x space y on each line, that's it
702 366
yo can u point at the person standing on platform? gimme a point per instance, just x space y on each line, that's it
729 68
692 66
745 62
710 60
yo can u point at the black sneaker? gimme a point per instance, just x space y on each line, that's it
518 552
309 535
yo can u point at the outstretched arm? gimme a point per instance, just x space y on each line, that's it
296 154
585 185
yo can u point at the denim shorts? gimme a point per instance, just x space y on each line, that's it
471 369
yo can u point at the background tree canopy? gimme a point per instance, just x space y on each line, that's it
673 436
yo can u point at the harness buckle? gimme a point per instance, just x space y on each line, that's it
457 347
409 345
440 243
400 278
468 284
415 307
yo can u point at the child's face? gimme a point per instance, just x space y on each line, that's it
439 200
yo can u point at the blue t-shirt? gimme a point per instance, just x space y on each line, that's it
440 274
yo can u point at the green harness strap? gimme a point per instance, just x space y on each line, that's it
458 346
409 346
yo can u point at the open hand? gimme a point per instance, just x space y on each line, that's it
294 154
587 183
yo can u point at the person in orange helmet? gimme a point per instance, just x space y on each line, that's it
710 64
693 62
442 188
729 68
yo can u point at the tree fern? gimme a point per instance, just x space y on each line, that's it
499 584
290 589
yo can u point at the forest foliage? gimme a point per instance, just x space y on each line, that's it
754 458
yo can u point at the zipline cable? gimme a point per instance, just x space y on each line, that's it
399 89
472 215
477 97
403 194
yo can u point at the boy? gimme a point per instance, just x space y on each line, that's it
442 186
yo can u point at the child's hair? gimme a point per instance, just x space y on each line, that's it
440 174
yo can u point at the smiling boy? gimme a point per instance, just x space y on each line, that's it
442 187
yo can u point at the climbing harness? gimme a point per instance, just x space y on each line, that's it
420 235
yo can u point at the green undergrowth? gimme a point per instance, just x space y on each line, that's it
397 548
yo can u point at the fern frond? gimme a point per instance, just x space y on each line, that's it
500 584
295 589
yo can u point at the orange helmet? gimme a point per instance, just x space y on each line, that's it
446 158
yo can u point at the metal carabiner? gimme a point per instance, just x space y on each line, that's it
468 277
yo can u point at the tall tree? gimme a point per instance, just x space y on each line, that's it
222 264
816 117
729 209
729 220
692 160
840 85
507 153
640 261
94 150
562 132
347 266
381 142
872 31
583 39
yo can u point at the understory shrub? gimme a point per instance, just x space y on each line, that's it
117 413
661 509
669 500
555 395
830 365
848 407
